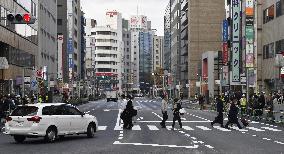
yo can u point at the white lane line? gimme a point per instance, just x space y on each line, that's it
194 138
241 130
275 126
278 142
106 110
209 146
262 123
254 135
272 129
226 119
255 129
172 121
182 132
170 128
203 128
187 135
158 116
141 118
120 135
157 145
195 142
136 127
254 122
138 119
102 127
121 132
153 127
182 118
200 142
120 138
268 139
267 124
222 129
117 125
187 128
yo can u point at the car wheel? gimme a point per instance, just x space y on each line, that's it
19 138
91 130
51 135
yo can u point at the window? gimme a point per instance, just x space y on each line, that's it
127 35
279 8
25 111
59 21
127 56
279 46
69 110
127 49
76 21
75 45
268 51
268 14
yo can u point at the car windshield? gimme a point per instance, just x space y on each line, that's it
25 111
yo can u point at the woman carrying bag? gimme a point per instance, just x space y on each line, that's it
176 113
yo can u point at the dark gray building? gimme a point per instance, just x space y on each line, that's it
127 56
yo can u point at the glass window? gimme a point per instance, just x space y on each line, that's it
268 14
59 21
25 111
71 110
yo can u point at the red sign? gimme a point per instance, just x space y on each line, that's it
106 74
225 53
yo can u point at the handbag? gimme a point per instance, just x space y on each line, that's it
182 111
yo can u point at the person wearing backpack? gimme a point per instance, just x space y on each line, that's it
176 113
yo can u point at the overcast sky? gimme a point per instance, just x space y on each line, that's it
153 9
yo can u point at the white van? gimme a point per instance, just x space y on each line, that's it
111 95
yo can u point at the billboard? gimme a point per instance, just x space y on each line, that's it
60 56
138 22
236 41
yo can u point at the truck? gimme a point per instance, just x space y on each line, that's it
111 95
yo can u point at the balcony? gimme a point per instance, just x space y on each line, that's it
184 5
184 34
184 20
106 44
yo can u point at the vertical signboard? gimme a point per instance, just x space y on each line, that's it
60 52
236 41
249 33
225 30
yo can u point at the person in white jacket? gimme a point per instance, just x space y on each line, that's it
164 108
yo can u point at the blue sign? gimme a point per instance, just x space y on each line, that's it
70 62
225 30
70 45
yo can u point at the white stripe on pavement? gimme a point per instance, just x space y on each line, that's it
278 142
136 127
187 128
203 127
222 129
268 139
241 130
255 129
172 121
209 146
158 115
272 129
102 127
153 127
157 145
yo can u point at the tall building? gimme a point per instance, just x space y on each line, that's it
175 45
204 34
157 53
83 46
18 45
90 49
107 58
167 37
47 53
127 56
184 82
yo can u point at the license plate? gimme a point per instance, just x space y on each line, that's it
20 124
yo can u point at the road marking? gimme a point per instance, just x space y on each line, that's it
141 118
117 125
278 142
172 121
187 135
182 118
272 129
267 124
226 119
187 128
262 123
120 135
170 128
254 135
268 139
255 129
182 132
153 127
158 115
106 110
209 146
203 127
222 129
200 142
120 138
194 138
157 145
136 127
241 130
254 122
121 132
102 127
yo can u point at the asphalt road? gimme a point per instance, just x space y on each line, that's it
196 136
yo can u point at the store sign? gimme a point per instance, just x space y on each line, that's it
236 20
225 53
249 34
225 76
225 30
249 59
236 62
249 20
282 72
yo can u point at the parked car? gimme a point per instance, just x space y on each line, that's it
49 120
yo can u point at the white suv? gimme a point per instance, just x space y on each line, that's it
49 120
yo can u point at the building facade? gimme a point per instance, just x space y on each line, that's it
167 37
18 44
157 53
127 58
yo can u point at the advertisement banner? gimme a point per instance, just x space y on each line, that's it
249 20
249 60
249 34
249 3
236 20
60 56
249 48
236 62
225 76
225 53
252 77
225 30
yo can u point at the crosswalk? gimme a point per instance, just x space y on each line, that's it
156 127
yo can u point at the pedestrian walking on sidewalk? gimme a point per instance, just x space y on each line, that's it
164 108
233 114
220 110
176 113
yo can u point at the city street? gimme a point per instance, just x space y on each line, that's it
147 136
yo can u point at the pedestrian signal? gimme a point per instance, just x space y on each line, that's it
25 18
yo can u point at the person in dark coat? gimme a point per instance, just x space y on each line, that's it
233 115
176 113
220 110
128 113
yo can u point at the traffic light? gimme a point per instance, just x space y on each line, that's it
25 18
